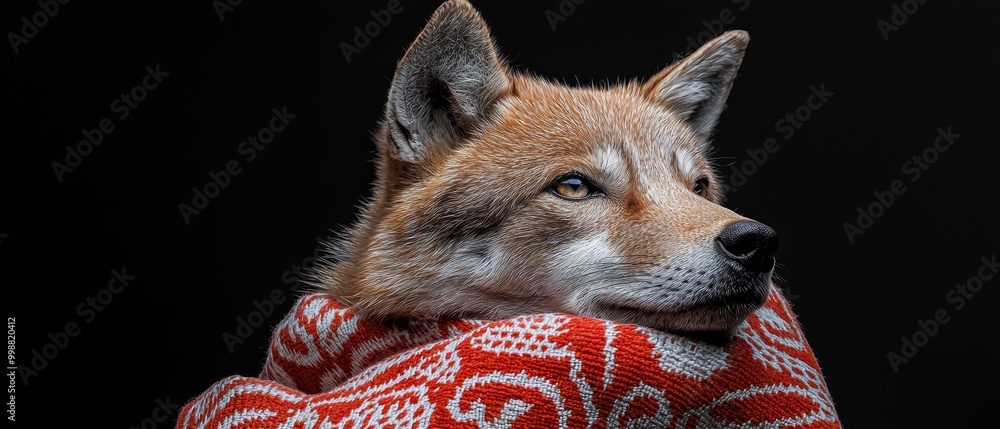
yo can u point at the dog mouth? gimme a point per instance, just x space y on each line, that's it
738 299
734 300
717 314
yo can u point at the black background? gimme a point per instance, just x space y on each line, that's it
162 336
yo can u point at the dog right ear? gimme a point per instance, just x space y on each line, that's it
697 86
445 86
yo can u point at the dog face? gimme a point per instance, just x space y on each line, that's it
501 194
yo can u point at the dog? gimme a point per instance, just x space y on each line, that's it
499 193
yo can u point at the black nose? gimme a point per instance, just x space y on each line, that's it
750 243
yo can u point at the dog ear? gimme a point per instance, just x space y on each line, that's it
696 87
446 84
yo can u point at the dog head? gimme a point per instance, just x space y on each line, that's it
501 193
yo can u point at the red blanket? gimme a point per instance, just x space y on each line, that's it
327 368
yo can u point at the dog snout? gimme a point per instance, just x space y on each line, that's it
750 243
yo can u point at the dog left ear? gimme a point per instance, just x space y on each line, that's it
445 86
697 86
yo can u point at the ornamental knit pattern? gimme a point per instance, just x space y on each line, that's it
327 368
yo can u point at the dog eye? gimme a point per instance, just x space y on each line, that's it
701 187
573 187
